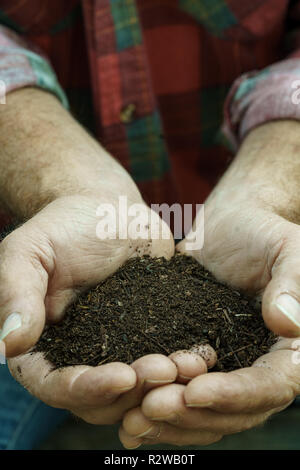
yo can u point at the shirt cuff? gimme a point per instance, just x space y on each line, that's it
258 97
21 65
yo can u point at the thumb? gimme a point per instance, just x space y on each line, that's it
157 239
23 286
281 299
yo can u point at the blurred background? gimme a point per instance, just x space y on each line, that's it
281 432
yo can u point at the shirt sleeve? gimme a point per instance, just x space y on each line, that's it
261 96
22 65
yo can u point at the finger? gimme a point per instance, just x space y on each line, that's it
128 441
290 344
207 353
168 405
137 425
151 371
157 239
57 302
180 247
161 404
270 383
23 286
183 247
193 362
189 365
72 387
168 434
161 241
281 299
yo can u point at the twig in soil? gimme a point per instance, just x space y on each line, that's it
234 352
249 334
156 342
243 315
227 316
236 358
104 360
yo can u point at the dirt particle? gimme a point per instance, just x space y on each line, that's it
154 305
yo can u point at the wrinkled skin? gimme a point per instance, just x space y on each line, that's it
251 242
58 255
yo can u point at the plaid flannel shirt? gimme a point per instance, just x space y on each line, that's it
163 75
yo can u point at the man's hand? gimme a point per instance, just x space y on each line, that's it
54 256
44 264
54 174
251 242
251 231
216 404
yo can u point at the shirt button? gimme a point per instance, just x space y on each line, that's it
127 113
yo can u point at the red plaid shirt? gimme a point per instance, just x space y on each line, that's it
151 77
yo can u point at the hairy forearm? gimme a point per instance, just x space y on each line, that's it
45 154
267 168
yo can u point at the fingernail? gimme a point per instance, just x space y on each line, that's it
153 432
12 323
199 405
185 377
290 307
132 448
162 382
146 433
150 383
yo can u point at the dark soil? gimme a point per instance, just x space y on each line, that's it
157 306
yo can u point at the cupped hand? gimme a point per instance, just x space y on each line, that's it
250 246
45 263
216 404
54 256
251 242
